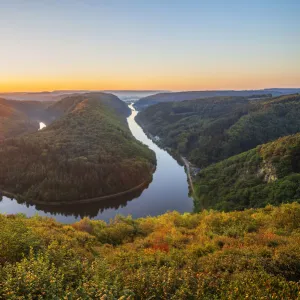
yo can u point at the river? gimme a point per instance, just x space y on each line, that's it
168 191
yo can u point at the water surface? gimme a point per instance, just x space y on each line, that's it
168 191
42 125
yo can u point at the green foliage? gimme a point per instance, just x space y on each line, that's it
268 174
35 276
209 130
16 239
87 152
253 254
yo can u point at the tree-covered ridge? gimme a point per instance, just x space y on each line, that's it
88 152
195 95
209 130
67 104
268 174
252 254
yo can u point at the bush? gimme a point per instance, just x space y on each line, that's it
252 254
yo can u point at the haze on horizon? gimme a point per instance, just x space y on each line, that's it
149 45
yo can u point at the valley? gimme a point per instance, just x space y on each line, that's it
209 130
164 193
150 150
87 152
225 138
113 197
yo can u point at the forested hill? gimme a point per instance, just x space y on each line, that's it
194 95
183 96
68 103
20 117
209 130
88 152
268 174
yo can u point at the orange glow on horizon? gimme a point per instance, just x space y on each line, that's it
152 82
120 46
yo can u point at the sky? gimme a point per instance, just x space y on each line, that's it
143 44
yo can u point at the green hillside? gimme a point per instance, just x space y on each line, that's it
87 152
67 104
268 174
209 130
252 254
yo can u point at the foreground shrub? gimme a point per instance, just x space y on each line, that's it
252 254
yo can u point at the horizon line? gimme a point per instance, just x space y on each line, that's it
147 90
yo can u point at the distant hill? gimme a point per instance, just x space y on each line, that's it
87 152
32 109
268 174
19 117
209 130
193 95
125 95
40 96
68 103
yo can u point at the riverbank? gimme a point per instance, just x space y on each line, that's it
85 201
179 158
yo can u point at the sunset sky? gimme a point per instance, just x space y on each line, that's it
157 44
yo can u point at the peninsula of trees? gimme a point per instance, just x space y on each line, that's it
88 151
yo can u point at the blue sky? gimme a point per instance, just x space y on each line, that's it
163 44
